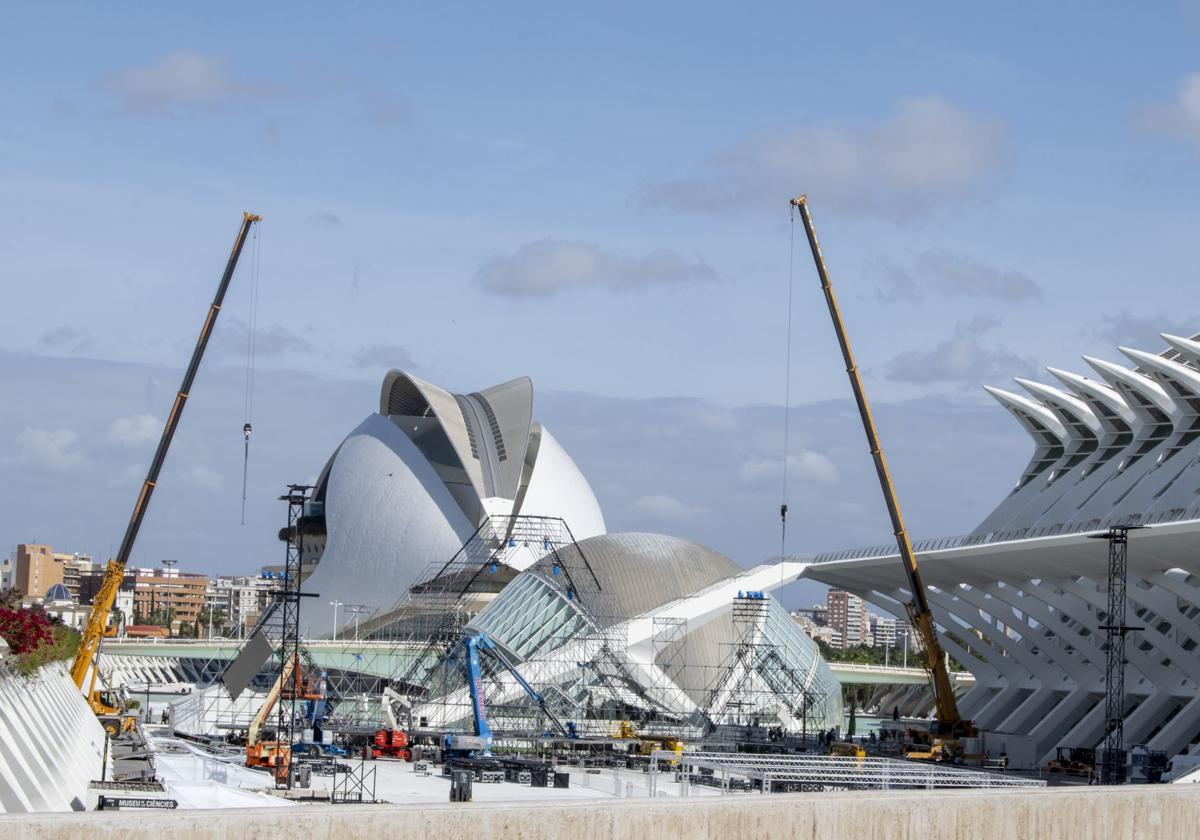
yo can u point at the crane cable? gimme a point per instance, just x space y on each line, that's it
787 395
251 342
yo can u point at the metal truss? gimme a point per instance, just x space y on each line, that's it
778 773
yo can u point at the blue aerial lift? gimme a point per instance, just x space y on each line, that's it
480 743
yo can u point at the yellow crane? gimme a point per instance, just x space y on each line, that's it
114 573
950 723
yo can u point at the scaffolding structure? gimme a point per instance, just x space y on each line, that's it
591 663
287 605
576 665
1112 754
568 639
214 709
790 773
755 682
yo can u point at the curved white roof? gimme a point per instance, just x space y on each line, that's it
388 516
1187 348
410 485
556 487
1141 393
1105 402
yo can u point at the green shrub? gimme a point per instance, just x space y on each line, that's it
64 646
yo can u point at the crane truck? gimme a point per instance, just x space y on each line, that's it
950 726
107 706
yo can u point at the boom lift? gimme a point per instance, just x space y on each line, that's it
104 706
480 742
950 724
291 682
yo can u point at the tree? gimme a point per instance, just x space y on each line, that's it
158 616
211 617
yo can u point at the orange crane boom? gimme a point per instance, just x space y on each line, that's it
114 573
950 722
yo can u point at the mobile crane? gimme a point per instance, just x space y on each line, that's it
106 706
950 724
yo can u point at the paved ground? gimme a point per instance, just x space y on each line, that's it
397 783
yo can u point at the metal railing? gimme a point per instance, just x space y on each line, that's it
777 773
899 670
966 540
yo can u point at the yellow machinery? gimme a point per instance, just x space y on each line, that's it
95 630
848 748
647 744
950 724
1073 761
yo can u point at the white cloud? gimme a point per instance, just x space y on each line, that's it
1178 117
948 274
667 507
326 220
53 448
382 356
1143 331
718 420
926 154
273 340
182 79
961 358
549 266
67 340
131 476
135 430
203 478
803 466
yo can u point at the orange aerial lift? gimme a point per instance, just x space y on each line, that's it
292 682
950 724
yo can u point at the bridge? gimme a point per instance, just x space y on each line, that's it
199 660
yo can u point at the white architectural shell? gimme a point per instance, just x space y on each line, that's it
412 483
51 744
387 517
1021 600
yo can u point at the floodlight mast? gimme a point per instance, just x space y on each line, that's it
950 721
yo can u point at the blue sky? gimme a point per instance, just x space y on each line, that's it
596 197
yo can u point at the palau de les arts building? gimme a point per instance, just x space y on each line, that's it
646 626
690 634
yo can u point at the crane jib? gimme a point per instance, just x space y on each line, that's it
114 573
919 614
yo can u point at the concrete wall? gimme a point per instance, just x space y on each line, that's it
51 745
1081 813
